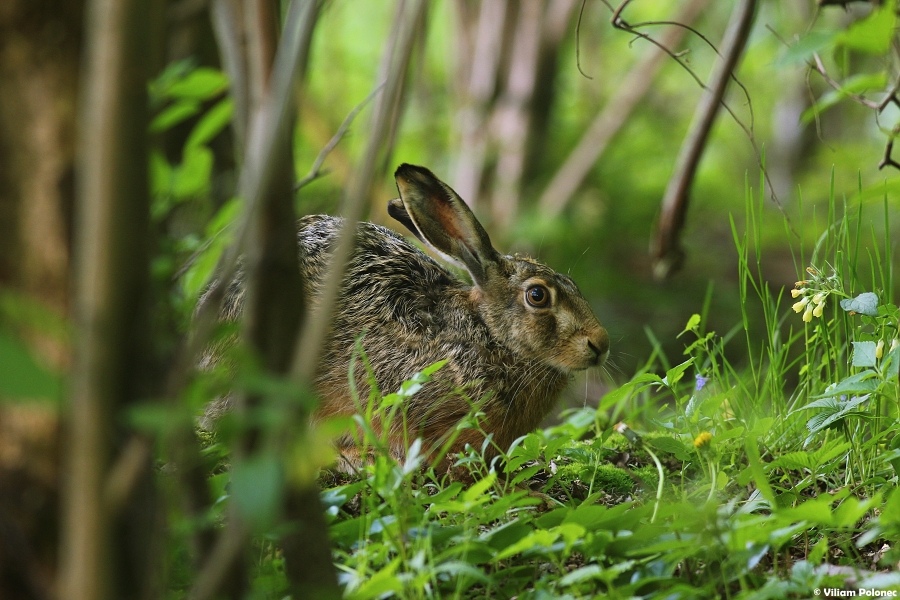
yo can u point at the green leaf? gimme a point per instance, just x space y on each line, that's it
581 574
477 491
174 114
873 34
837 411
192 178
858 383
855 85
817 510
852 510
220 234
803 50
382 583
864 304
674 375
692 324
793 461
891 364
212 123
670 445
540 540
864 354
200 84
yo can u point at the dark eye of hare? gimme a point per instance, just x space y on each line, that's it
538 296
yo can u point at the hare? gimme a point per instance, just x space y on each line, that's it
511 338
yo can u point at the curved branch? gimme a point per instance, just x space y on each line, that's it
666 249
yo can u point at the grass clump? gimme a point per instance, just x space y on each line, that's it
771 475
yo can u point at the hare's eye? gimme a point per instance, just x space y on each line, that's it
537 296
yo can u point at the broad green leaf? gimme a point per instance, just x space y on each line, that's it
817 510
160 180
792 461
460 569
891 364
802 51
670 445
692 324
851 510
838 410
864 304
674 375
586 573
858 383
873 34
200 84
506 534
540 540
192 178
864 354
174 114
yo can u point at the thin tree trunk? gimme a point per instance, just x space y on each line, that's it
100 555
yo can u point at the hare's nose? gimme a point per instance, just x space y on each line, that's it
599 346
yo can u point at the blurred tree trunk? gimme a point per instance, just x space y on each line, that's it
40 44
505 73
108 546
39 52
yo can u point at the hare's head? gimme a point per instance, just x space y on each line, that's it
530 308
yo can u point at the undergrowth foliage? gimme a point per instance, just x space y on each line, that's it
702 479
771 478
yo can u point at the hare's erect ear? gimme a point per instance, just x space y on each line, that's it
443 220
396 209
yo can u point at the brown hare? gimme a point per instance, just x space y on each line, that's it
512 337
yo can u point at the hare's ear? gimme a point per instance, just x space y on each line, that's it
443 220
396 209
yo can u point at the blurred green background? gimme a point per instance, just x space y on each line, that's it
602 235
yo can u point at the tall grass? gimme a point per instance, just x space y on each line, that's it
770 475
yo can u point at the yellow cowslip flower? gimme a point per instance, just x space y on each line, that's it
808 314
879 349
894 343
702 440
801 304
817 311
819 298
797 292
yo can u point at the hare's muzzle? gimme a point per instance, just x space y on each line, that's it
598 344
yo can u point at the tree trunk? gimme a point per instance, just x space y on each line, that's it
107 547
40 43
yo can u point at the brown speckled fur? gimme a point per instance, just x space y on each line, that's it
412 312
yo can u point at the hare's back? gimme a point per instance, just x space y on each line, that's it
384 267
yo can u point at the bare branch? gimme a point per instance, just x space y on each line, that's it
398 52
316 170
666 248
614 115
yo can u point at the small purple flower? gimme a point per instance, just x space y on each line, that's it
700 382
